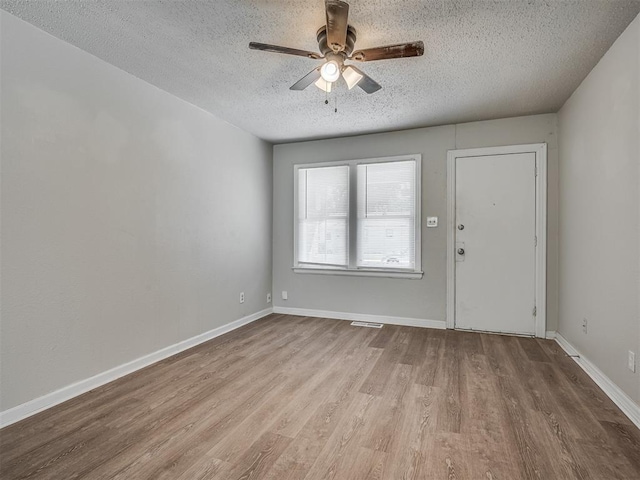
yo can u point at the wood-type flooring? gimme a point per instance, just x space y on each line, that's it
292 397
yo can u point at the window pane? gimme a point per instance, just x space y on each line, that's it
323 211
386 215
386 243
323 241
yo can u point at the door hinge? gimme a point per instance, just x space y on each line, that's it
535 311
536 170
535 241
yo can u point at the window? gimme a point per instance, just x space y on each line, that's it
359 217
323 216
386 215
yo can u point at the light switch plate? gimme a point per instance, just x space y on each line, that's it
432 222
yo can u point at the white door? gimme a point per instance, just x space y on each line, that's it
495 244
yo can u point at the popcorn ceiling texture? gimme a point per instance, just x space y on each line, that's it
483 59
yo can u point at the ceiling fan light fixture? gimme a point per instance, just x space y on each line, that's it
323 85
336 42
351 76
330 71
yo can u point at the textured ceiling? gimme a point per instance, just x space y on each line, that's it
483 59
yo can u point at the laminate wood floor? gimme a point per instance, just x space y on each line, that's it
300 398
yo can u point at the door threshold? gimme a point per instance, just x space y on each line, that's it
508 334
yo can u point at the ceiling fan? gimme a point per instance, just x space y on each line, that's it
336 41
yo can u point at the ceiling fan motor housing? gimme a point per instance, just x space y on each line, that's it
326 49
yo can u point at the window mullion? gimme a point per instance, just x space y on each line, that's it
353 216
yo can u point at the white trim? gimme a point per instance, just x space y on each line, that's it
630 408
417 220
362 317
360 273
540 151
49 400
541 244
451 238
550 335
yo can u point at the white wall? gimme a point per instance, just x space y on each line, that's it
131 220
417 299
599 129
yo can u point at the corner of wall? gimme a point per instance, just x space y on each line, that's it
599 148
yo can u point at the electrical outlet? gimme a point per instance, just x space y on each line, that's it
268 298
241 297
284 294
584 325
631 361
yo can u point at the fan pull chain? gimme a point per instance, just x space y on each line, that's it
335 100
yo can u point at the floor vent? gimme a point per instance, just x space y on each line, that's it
367 324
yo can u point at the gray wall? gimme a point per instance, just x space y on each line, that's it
131 220
419 299
599 130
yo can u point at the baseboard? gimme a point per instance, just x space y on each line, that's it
49 400
550 335
630 408
362 317
15 414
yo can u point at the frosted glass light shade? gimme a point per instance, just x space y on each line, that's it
351 76
330 71
322 85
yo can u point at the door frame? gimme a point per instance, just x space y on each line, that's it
540 300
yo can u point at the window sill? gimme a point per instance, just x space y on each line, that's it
361 273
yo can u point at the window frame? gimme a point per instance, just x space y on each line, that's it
352 222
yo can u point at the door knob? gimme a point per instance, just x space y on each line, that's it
461 251
461 227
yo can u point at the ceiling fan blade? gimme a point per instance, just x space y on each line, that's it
414 49
307 80
289 51
367 83
337 21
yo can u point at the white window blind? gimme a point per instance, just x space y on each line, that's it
323 216
386 231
